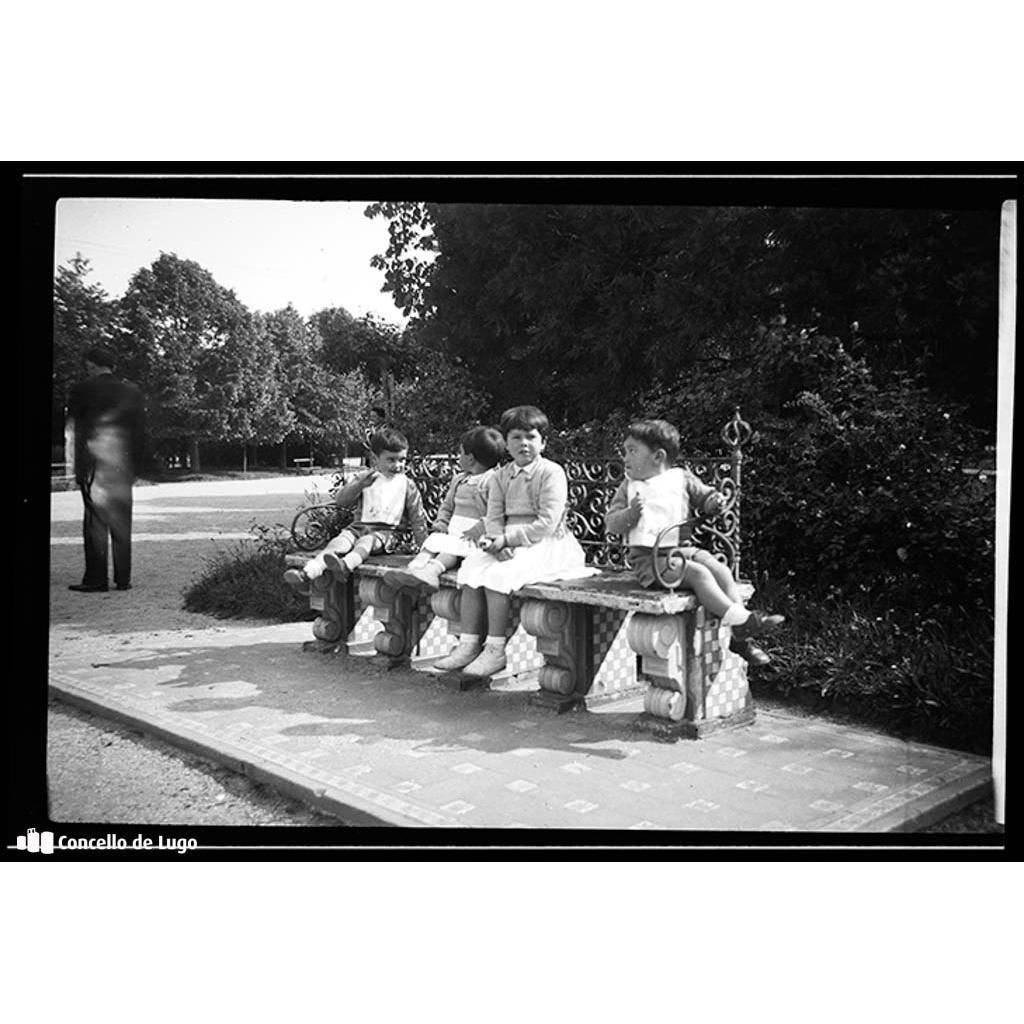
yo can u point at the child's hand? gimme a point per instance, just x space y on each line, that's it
492 544
505 554
474 533
368 478
714 503
636 506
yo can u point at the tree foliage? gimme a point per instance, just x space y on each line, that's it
82 317
547 303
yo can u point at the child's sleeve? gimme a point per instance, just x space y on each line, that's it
552 497
494 518
351 493
698 491
620 518
414 514
445 512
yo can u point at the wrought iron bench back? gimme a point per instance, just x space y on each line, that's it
592 483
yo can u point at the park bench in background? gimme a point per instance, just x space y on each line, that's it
587 641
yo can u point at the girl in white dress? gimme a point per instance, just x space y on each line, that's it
526 540
460 519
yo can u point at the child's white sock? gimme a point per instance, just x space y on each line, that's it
314 569
495 641
469 638
735 615
352 561
422 560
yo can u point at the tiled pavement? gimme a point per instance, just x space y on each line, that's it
399 748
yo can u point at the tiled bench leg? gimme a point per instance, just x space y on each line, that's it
394 608
696 685
336 618
561 630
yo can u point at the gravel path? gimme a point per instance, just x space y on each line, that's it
98 770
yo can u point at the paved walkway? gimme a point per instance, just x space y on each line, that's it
374 746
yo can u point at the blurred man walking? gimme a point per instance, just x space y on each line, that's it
107 415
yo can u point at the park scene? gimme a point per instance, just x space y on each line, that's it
804 641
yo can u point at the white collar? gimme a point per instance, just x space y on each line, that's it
529 469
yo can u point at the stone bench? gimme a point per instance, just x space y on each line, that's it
588 641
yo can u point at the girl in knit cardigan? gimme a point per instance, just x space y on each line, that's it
526 540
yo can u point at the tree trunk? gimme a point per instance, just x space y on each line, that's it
193 456
245 458
283 454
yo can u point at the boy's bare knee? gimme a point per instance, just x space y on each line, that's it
695 572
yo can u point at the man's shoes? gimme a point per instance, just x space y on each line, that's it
340 570
757 624
466 652
90 588
123 586
490 662
427 577
750 652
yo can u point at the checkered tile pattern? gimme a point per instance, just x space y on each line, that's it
521 651
437 640
724 673
614 659
366 628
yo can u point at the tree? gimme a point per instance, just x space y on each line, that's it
436 403
177 322
407 261
82 317
251 391
548 303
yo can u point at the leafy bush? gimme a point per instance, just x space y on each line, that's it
923 676
860 526
245 582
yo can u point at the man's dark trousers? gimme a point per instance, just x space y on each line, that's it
107 414
107 497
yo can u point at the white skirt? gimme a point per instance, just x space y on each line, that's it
451 542
554 558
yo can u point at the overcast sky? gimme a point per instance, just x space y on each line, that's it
270 253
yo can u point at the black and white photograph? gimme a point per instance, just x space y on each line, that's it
519 510
512 512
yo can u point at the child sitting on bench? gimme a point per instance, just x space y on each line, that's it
460 519
387 499
657 494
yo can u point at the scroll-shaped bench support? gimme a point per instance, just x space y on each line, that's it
560 629
394 608
335 619
696 684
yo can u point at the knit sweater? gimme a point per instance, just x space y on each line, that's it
466 497
527 502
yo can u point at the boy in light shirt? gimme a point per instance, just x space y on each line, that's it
387 500
657 494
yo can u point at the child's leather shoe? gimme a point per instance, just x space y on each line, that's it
466 652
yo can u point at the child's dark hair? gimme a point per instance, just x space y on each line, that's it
388 440
485 444
656 434
524 417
